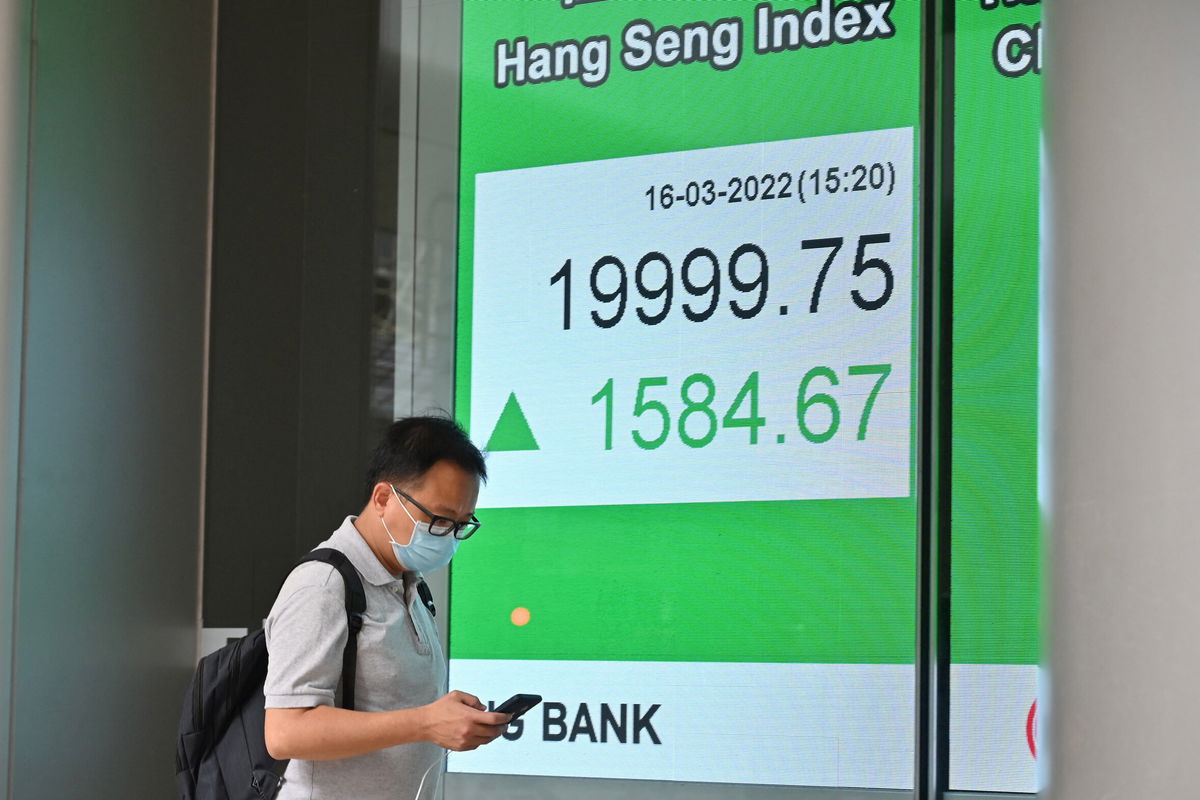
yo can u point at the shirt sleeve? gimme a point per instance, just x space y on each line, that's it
306 634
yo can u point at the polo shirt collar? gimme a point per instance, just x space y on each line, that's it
347 539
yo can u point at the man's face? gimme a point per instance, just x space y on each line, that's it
446 490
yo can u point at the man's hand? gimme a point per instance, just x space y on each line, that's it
458 721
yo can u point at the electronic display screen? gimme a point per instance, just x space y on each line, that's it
687 340
995 417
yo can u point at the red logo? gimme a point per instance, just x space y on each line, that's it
1031 729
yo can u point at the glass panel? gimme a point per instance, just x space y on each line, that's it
687 338
994 678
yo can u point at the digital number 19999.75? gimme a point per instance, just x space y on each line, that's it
702 273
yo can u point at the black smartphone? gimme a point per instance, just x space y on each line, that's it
518 704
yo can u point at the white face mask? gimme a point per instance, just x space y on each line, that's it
424 551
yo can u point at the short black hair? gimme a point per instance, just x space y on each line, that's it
414 444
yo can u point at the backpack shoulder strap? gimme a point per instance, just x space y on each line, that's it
356 606
426 597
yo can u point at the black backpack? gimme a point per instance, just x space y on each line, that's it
221 753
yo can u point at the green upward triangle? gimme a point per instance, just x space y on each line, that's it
512 429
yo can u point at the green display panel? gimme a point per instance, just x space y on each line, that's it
687 338
995 516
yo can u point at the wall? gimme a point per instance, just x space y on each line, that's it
103 530
14 121
1122 114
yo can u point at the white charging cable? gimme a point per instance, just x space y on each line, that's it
425 775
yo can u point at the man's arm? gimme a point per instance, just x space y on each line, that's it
456 721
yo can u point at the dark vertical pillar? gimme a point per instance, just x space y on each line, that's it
289 423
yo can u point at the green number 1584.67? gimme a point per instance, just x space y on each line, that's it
696 422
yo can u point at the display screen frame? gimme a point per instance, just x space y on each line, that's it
435 37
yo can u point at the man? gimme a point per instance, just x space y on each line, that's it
423 484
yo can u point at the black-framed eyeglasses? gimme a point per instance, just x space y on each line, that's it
439 525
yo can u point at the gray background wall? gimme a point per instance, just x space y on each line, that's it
1123 111
14 119
107 278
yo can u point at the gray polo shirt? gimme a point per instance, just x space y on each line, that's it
400 665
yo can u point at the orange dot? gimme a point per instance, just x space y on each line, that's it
520 616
